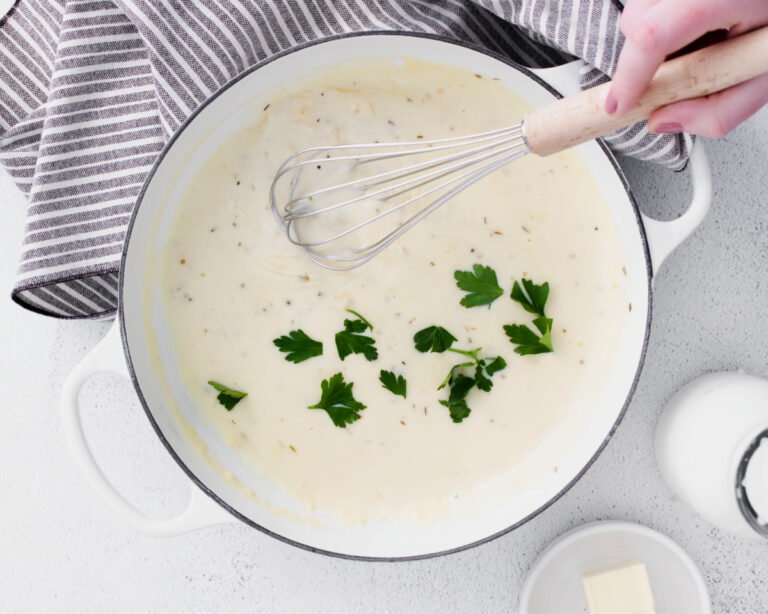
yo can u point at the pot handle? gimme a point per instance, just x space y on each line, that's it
663 237
201 512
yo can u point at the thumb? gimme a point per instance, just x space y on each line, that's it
712 116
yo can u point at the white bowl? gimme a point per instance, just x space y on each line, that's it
554 586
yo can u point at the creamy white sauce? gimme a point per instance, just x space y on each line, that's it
232 283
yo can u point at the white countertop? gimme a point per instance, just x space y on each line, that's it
62 550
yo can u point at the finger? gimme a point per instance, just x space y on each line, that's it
652 35
634 8
633 74
753 13
713 116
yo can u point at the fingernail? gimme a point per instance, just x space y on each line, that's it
610 104
668 128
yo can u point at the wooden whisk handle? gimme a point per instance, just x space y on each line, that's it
582 117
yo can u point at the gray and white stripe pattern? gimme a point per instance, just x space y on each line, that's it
90 90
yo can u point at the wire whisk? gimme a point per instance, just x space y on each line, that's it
438 169
345 204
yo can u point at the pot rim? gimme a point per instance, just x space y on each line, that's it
137 386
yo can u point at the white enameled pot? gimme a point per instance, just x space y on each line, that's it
140 348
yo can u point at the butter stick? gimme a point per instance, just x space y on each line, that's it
619 589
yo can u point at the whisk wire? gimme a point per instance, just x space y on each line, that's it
387 193
442 144
480 155
361 256
291 219
293 213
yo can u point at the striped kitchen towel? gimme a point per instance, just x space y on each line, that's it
90 90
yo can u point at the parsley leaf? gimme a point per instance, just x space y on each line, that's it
470 353
394 383
480 283
337 401
457 399
457 408
485 370
361 318
454 369
460 384
433 339
545 328
227 396
534 298
350 341
453 372
527 341
298 346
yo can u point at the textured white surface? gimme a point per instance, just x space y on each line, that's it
62 550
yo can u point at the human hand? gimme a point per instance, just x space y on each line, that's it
653 29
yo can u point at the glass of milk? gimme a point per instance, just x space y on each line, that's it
712 448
